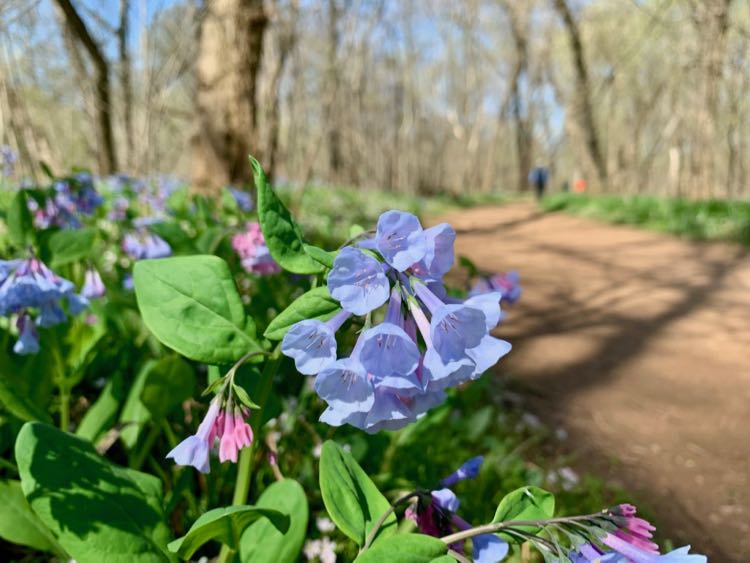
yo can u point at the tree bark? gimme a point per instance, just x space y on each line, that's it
126 83
584 106
229 58
106 154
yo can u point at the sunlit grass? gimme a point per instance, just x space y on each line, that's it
697 220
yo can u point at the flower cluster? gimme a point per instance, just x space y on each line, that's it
29 287
93 286
71 199
8 159
142 244
435 515
253 252
242 198
391 378
225 422
507 284
626 538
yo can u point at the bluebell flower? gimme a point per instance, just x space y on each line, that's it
436 515
439 254
469 470
312 343
93 286
50 314
350 395
8 159
144 245
400 239
28 339
243 199
194 450
508 285
358 281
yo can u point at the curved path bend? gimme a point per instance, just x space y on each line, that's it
638 344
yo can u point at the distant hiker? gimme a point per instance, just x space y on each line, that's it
538 178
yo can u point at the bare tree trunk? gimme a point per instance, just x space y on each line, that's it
106 155
230 53
583 100
126 81
334 135
519 32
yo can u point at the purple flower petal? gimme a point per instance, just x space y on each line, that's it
400 239
358 282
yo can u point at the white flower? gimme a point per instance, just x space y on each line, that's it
325 525
323 549
312 549
317 450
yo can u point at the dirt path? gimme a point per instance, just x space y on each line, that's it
639 345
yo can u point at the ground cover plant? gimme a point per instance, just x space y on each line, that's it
724 220
185 377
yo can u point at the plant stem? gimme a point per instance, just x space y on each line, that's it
383 517
245 462
140 455
496 527
64 406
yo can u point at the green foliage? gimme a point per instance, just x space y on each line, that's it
405 548
191 305
698 220
526 503
226 526
20 226
315 304
351 498
282 234
98 511
19 524
71 245
103 412
263 541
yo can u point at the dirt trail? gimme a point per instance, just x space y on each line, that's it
639 345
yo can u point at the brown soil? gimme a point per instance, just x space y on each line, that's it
638 344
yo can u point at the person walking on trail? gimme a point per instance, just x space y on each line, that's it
538 178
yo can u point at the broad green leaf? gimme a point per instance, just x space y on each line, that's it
321 256
19 524
100 416
98 511
134 413
352 500
191 304
315 304
170 382
262 541
226 526
69 245
526 503
20 223
405 548
19 405
282 234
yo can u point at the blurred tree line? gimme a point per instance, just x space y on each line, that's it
425 96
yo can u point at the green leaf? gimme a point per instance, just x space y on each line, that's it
19 524
134 413
20 223
160 386
352 500
70 245
243 397
98 511
282 234
315 304
191 304
170 382
19 405
226 526
526 503
321 256
405 548
262 541
100 416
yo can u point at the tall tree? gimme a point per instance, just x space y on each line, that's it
229 58
106 154
583 102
